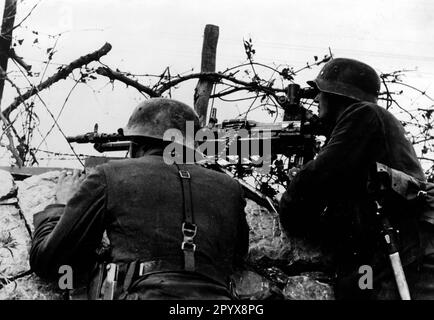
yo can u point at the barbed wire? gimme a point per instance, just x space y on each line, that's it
258 83
55 153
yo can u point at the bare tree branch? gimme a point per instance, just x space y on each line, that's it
5 280
163 87
13 55
115 75
9 124
11 146
227 92
412 87
63 73
422 140
217 77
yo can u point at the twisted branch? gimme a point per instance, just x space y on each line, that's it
115 75
163 87
63 73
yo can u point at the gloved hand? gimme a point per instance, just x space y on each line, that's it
292 173
67 185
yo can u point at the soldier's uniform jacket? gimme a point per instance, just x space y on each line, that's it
329 198
139 203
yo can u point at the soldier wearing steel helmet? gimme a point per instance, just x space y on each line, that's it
328 196
176 231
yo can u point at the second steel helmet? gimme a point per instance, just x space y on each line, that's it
350 78
151 118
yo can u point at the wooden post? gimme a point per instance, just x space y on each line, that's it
204 87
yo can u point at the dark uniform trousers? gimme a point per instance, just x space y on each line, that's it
328 198
139 203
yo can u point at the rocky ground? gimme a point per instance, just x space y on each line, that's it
279 267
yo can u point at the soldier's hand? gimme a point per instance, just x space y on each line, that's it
292 173
67 185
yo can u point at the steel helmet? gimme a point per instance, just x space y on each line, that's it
350 78
151 118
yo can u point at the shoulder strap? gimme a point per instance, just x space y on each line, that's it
189 228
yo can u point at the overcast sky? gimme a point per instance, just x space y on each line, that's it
147 36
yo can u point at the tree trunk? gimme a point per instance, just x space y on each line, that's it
5 44
204 87
6 37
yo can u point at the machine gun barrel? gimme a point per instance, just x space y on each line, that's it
112 146
103 142
93 137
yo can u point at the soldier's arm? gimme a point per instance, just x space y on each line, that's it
69 234
353 144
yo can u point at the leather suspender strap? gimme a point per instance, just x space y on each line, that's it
189 228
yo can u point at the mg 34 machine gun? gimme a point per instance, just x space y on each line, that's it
281 146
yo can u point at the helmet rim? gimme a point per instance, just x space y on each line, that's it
350 78
342 89
153 117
